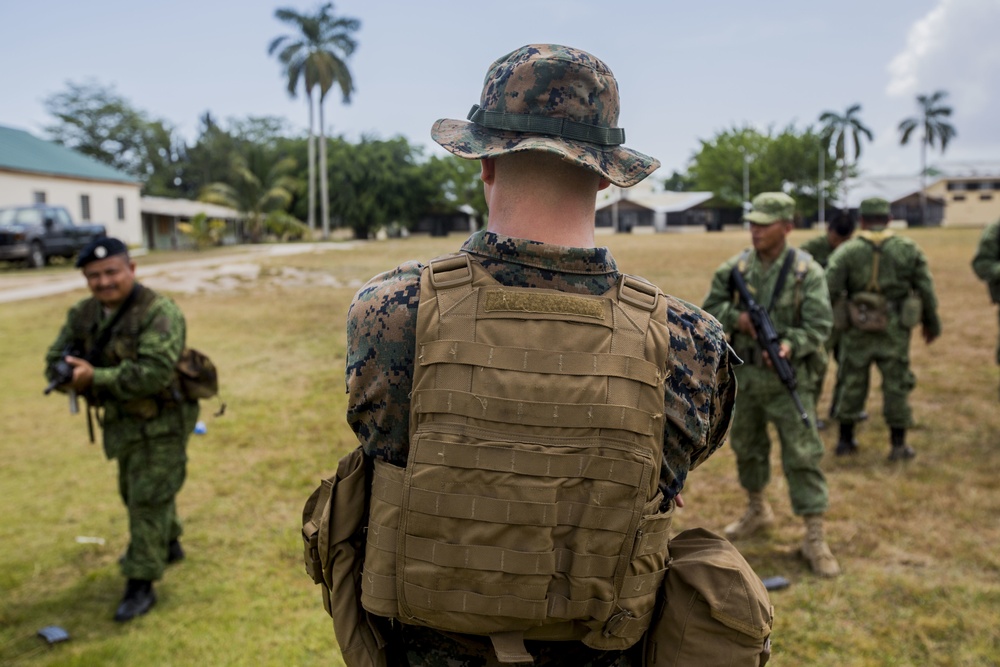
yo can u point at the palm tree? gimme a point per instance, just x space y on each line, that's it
316 56
837 130
932 118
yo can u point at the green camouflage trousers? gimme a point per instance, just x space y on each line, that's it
761 399
150 474
831 354
890 352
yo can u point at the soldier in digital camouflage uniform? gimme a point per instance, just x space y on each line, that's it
839 229
902 272
802 318
986 263
131 379
541 188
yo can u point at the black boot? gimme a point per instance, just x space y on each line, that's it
847 444
900 450
139 598
174 552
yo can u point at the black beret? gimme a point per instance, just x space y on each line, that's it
101 248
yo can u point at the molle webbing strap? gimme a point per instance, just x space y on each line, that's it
540 361
636 302
451 276
507 410
549 125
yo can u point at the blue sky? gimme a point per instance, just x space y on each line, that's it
686 69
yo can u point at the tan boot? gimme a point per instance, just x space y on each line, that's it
815 550
759 516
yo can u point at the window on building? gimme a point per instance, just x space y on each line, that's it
996 185
85 207
958 198
121 208
39 197
972 185
985 197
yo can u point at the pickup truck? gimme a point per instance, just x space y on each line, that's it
32 234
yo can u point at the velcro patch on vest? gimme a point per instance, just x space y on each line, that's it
501 300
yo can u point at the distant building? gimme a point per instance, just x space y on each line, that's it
160 216
647 207
903 195
34 171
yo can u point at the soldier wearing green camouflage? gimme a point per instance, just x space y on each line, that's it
131 379
541 181
800 311
877 261
986 263
839 229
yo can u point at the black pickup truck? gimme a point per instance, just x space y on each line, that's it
32 234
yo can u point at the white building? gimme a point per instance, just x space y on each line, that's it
33 171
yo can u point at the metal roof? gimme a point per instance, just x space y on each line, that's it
186 208
649 197
23 152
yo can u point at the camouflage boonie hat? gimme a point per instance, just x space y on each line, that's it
550 98
874 206
770 207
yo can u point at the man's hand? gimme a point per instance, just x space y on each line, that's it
745 324
928 336
83 373
784 351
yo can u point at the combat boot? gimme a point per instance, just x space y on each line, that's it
846 444
139 599
815 550
759 516
900 450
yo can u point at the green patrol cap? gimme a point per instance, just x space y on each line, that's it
874 206
770 207
554 99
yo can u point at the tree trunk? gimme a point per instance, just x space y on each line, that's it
312 165
324 197
923 182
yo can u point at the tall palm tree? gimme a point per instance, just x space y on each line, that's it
932 119
838 130
316 56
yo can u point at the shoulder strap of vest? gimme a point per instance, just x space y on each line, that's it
876 239
452 270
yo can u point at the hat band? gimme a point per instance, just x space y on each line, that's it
558 127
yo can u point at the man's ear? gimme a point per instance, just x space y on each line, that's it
488 170
603 184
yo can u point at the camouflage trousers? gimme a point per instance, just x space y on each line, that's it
890 352
763 399
150 474
831 349
428 648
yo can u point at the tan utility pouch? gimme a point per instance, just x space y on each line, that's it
333 520
714 611
868 311
911 311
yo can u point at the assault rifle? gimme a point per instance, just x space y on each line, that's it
63 374
768 341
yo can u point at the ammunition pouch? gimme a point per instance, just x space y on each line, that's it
868 311
841 314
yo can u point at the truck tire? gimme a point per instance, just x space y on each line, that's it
36 256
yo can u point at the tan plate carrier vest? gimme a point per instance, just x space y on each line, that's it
529 505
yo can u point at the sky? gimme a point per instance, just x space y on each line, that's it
686 70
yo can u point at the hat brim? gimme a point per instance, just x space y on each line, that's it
622 166
760 218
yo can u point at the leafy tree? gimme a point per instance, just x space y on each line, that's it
203 231
260 184
677 182
316 57
454 182
96 121
837 131
783 162
932 119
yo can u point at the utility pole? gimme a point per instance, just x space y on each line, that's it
822 186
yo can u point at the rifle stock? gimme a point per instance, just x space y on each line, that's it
768 341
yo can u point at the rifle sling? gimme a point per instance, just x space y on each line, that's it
786 267
105 336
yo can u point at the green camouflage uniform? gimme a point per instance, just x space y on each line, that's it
902 269
381 333
144 427
986 263
802 318
820 249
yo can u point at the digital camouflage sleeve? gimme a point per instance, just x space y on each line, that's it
381 334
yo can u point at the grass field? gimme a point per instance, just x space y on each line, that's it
918 542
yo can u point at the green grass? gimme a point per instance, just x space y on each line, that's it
918 543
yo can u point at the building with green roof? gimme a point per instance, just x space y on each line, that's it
33 170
